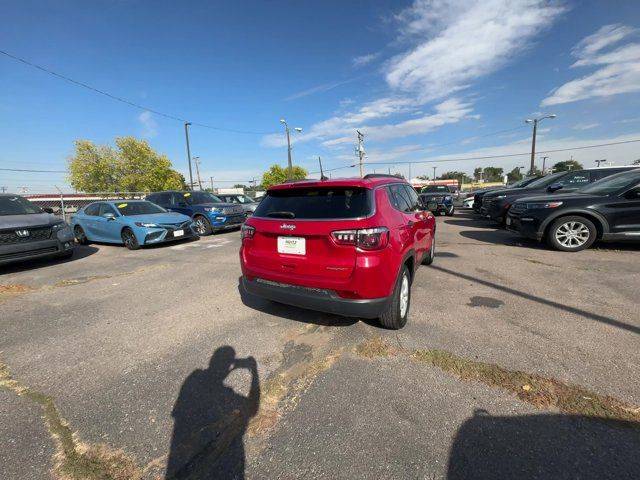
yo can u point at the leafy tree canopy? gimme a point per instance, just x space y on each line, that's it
276 174
460 176
132 166
567 165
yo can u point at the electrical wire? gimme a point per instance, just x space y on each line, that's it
128 102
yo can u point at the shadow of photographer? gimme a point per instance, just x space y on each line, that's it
210 420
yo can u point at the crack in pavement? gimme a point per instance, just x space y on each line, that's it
73 459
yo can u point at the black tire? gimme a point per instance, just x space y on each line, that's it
129 239
571 233
202 225
451 212
80 236
431 254
393 318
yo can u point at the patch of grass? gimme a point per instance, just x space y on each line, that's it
73 460
537 390
375 347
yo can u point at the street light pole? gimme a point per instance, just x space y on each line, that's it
434 173
289 163
535 122
544 160
186 134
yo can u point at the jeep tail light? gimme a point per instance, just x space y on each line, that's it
247 231
366 239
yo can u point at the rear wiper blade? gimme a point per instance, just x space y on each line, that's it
281 214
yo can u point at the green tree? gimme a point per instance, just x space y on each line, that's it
460 176
477 174
133 166
276 174
240 185
567 165
398 174
514 175
493 174
423 177
636 162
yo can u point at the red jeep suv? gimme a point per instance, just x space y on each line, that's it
346 246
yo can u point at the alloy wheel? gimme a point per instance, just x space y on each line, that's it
201 228
572 234
404 296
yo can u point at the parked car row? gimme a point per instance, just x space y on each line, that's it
571 210
29 231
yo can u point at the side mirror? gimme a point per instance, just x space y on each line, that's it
554 187
109 216
47 209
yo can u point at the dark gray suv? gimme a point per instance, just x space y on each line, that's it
27 231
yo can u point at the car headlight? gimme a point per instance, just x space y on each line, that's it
499 197
533 206
147 225
58 226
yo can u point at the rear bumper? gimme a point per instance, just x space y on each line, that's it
316 299
30 250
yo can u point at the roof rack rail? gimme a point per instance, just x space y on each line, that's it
296 180
380 175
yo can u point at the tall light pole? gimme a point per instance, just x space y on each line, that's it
600 161
186 134
535 122
196 160
544 161
434 173
286 129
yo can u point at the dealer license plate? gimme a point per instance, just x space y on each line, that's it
292 245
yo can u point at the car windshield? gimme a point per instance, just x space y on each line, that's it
244 199
436 189
129 209
613 183
195 198
15 205
523 183
315 203
546 180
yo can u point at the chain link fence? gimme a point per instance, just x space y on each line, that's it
66 204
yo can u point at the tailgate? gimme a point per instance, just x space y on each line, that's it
301 248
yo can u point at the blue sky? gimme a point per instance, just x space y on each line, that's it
424 80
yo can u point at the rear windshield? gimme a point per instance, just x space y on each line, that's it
315 203
436 189
138 208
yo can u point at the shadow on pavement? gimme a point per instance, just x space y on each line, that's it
544 447
210 420
502 237
576 311
79 252
293 313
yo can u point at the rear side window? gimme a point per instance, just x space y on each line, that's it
575 179
316 203
92 209
399 198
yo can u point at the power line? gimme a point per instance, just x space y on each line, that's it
33 171
128 102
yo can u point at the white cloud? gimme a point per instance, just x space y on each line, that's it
449 45
324 87
585 126
149 125
619 70
460 41
363 60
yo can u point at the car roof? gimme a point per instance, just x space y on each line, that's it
368 181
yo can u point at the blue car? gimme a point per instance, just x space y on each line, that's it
209 213
442 195
130 222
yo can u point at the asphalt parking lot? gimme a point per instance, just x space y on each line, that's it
161 367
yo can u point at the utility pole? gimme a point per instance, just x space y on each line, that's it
409 171
196 160
186 134
211 178
535 122
434 173
360 150
4 189
289 163
544 160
